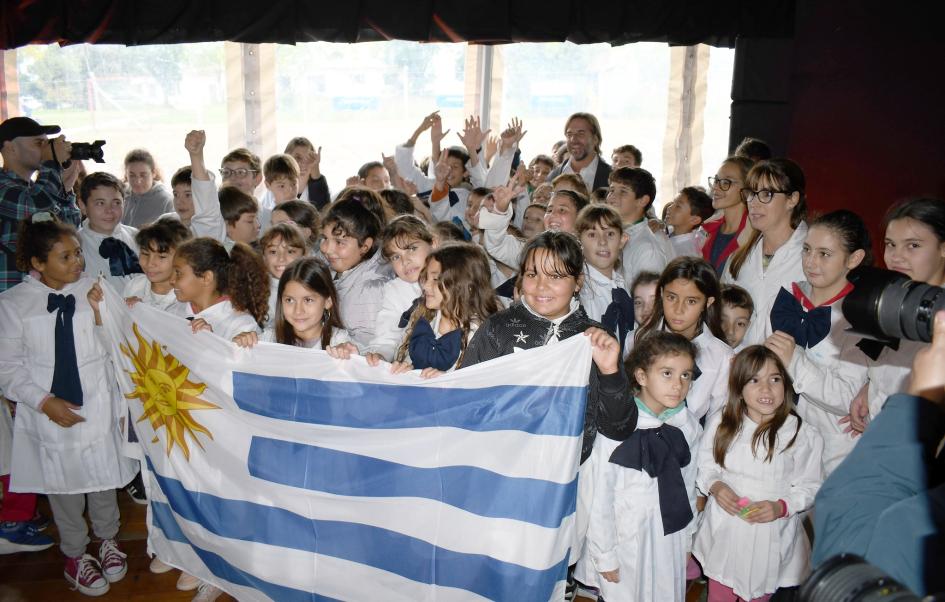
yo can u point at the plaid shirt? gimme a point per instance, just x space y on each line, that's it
20 199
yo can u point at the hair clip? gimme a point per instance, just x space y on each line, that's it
42 216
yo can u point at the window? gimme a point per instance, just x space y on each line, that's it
131 97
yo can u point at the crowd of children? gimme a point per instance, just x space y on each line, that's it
725 384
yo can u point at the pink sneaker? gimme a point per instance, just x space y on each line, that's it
85 575
114 565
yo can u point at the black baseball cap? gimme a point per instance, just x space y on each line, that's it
16 127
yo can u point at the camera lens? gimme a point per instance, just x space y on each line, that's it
851 579
886 305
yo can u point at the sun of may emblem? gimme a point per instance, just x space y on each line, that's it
168 396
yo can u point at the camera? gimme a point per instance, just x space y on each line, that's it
82 151
849 578
886 305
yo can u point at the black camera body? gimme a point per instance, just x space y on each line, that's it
886 305
82 151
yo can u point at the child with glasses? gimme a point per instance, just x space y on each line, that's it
777 209
726 233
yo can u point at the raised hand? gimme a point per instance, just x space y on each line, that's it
472 135
442 169
195 141
436 130
492 147
503 195
316 159
512 134
390 164
426 124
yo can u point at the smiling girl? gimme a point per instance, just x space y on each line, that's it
158 243
761 466
280 245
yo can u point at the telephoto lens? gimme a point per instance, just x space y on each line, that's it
82 151
849 578
886 305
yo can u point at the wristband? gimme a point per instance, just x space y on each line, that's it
783 508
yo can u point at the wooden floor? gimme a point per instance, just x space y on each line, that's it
37 576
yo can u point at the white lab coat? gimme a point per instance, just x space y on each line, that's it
646 251
890 373
756 559
826 378
398 296
360 291
48 458
225 320
764 284
95 264
139 286
626 527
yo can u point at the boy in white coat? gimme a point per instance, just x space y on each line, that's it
108 245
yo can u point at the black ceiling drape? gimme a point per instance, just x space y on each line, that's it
130 22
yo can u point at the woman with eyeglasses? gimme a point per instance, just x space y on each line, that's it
729 231
774 193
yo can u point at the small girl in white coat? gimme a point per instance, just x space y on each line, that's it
228 293
457 298
761 466
67 442
405 244
280 245
687 303
811 336
641 521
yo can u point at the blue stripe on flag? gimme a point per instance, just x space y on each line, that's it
164 519
380 548
539 410
473 489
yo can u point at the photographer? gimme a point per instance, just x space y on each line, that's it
886 501
26 150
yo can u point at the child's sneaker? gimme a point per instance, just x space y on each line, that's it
206 593
22 537
114 565
84 574
158 566
136 490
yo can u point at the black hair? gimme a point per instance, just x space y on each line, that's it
851 231
736 296
350 217
398 201
95 180
314 275
184 175
367 167
753 148
163 235
700 203
656 345
37 239
564 248
577 199
701 273
928 210
638 179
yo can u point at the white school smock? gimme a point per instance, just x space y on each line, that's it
139 286
360 291
95 264
596 297
273 300
757 559
398 296
689 244
338 337
208 219
48 458
827 376
225 320
708 393
644 252
626 525
764 284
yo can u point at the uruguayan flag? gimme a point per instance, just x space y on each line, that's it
280 473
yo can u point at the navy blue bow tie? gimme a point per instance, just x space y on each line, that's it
807 327
618 317
65 383
405 317
122 261
427 351
661 453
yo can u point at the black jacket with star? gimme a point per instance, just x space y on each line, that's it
610 408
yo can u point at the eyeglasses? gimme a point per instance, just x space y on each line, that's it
242 172
763 196
723 183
